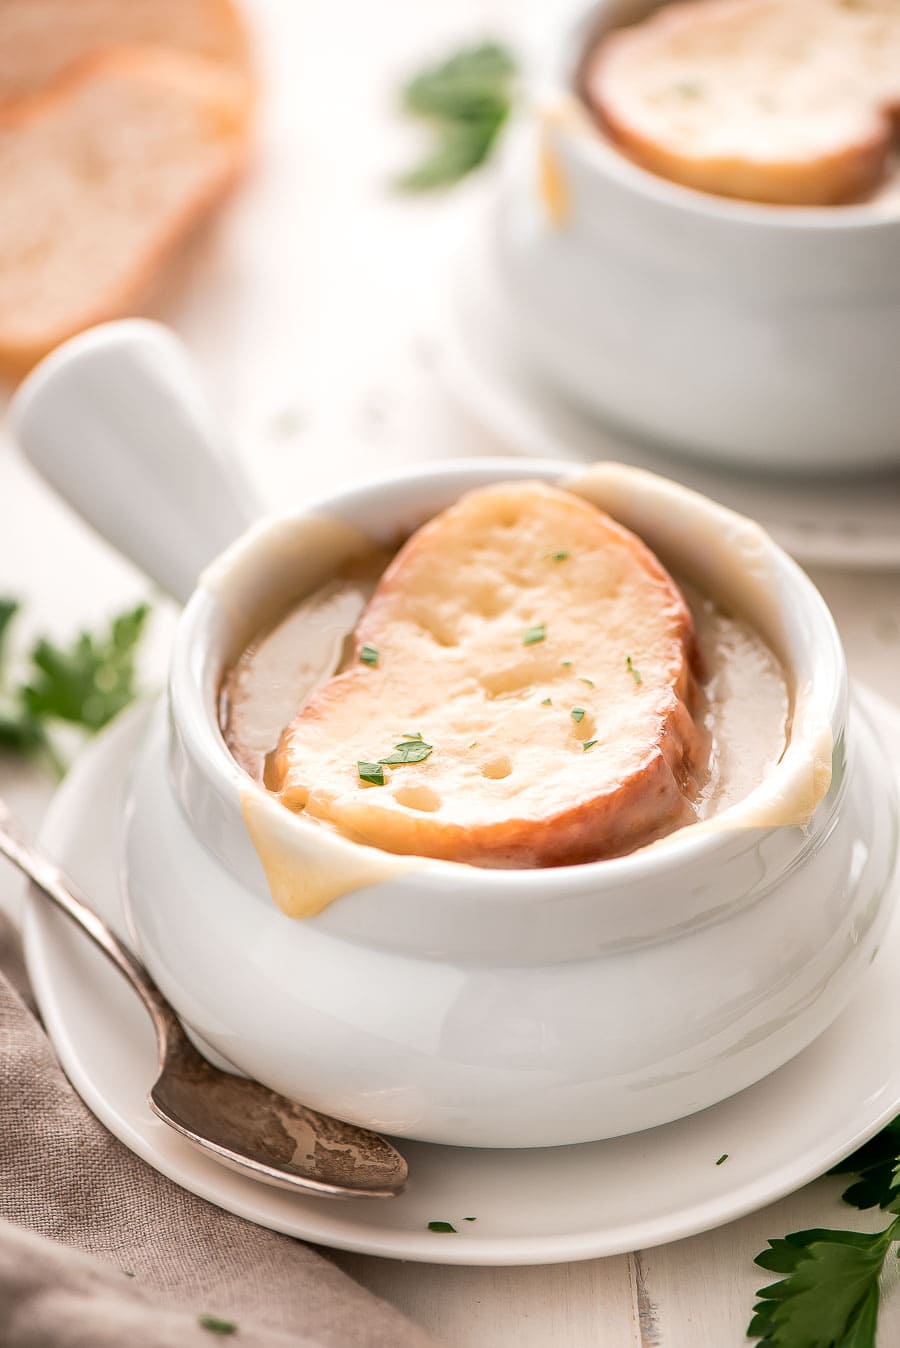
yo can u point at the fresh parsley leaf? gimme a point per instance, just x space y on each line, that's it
566 664
85 684
875 1164
373 773
547 702
470 1219
577 713
215 1325
8 610
368 655
410 751
588 744
466 99
532 635
635 673
558 556
472 745
839 1269
589 682
412 735
459 149
723 1158
443 1227
464 85
90 681
19 732
830 1296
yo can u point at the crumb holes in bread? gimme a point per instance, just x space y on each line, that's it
497 767
418 798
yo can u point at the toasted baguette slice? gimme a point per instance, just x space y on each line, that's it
783 101
100 180
499 619
40 39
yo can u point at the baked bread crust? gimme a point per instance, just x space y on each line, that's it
549 660
41 39
103 176
792 102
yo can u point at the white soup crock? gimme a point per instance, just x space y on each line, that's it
440 1001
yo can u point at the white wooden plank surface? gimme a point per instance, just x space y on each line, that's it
587 1305
314 302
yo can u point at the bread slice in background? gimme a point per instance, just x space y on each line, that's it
40 39
509 781
781 101
101 178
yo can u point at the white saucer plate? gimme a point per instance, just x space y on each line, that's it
851 521
541 1206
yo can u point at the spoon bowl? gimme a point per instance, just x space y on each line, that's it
252 1129
239 1122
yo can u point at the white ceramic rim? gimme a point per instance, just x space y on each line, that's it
555 82
249 1199
197 719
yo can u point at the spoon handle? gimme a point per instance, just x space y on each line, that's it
18 848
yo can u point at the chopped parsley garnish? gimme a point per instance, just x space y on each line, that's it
373 773
472 745
408 751
635 673
589 682
215 1325
412 735
588 744
547 702
368 656
470 1219
411 750
558 556
443 1227
577 713
532 635
722 1158
566 664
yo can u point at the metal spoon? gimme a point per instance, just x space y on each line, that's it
239 1122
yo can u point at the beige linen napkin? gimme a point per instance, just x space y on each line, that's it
132 1259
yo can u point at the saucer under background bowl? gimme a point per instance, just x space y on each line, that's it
532 1206
825 520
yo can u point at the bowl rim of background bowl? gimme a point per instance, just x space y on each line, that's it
555 85
196 715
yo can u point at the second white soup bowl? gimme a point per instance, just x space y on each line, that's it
760 336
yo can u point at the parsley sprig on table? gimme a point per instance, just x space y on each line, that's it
83 684
466 100
830 1292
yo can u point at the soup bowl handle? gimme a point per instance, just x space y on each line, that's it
116 422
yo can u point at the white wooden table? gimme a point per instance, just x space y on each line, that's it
310 309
